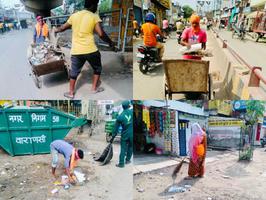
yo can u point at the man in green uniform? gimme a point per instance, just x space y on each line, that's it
125 119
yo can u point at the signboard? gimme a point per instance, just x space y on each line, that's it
239 105
264 122
226 123
225 108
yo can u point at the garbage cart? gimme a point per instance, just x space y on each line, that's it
30 130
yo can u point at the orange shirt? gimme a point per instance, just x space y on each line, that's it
150 31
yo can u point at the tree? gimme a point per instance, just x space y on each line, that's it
255 110
188 11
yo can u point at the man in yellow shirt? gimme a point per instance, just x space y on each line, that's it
84 23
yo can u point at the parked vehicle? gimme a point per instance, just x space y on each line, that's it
263 141
259 26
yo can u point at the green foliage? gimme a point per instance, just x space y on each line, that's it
188 11
105 5
255 110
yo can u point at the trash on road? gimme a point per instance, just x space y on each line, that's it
140 189
176 189
55 191
80 176
226 177
187 186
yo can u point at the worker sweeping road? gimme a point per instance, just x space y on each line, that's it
125 119
71 154
84 23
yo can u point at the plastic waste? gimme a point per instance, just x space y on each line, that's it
176 189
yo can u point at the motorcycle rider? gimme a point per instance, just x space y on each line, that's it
242 24
149 30
179 29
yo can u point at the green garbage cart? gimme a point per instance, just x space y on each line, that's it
30 130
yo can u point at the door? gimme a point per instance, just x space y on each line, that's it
182 126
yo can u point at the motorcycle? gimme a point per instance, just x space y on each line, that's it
148 57
240 32
136 33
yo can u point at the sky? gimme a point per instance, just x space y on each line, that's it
191 3
9 3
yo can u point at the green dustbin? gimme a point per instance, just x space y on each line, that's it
30 130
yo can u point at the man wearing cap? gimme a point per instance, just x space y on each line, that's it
125 119
41 31
84 24
193 35
71 155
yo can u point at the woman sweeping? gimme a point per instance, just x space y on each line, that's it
197 149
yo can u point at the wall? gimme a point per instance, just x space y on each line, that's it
224 136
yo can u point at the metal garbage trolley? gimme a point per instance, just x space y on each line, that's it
30 130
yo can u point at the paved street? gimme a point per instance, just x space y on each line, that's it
225 179
151 85
252 52
16 83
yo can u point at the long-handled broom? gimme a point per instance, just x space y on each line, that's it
177 169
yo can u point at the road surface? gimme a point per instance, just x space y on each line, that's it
252 52
225 179
16 82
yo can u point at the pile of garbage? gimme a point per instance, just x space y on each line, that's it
45 53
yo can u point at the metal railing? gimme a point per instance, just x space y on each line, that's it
255 70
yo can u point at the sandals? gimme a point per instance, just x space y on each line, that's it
69 96
98 89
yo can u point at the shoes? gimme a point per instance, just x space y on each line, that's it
128 162
120 166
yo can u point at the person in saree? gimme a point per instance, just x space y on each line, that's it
197 149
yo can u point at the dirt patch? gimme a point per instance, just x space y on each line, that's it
225 179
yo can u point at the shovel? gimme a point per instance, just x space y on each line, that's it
107 154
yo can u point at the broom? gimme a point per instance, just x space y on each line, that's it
177 169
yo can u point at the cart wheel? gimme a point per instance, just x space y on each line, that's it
108 137
143 68
257 37
37 80
67 72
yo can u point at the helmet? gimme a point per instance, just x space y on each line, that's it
150 17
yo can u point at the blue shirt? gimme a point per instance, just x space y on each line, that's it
63 148
38 39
